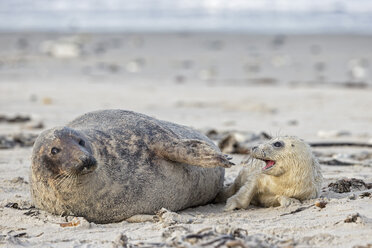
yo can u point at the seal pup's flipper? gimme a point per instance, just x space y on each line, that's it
192 152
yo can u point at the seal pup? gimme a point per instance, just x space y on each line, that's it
283 171
110 165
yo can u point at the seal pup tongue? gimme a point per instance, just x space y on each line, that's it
269 164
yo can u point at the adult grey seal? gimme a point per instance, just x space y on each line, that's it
110 165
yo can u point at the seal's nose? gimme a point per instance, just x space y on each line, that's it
254 148
87 162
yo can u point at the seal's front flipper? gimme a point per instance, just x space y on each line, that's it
243 197
193 152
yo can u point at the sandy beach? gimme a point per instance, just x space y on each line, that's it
317 87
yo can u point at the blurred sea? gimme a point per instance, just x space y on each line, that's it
258 16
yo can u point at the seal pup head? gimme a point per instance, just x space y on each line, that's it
283 154
63 152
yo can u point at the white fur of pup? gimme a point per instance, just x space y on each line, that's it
282 171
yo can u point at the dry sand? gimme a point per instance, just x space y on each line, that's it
246 83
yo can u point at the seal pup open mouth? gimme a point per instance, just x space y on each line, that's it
269 164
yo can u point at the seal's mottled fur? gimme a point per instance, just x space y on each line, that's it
110 165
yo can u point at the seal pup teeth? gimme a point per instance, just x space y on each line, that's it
281 172
110 165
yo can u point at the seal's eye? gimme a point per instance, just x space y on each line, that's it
82 142
55 150
278 144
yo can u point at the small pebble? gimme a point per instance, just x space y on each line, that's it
293 122
18 180
321 204
352 197
352 218
47 101
72 223
341 156
135 65
357 69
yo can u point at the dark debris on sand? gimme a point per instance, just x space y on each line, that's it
27 207
15 119
348 185
352 218
213 237
20 139
236 142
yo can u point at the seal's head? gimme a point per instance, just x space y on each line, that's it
63 152
283 154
